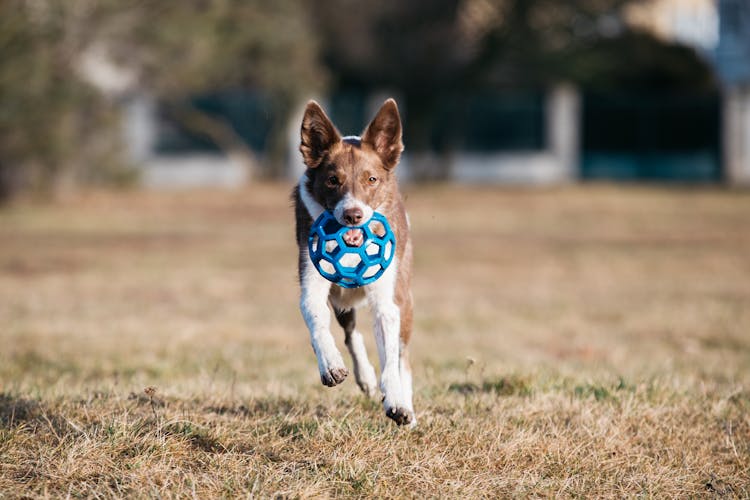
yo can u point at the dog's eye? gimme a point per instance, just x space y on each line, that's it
333 181
372 180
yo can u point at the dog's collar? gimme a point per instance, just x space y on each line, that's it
354 140
313 207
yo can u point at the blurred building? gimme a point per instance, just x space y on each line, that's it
649 134
169 156
527 136
720 29
732 58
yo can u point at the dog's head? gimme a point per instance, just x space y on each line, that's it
351 176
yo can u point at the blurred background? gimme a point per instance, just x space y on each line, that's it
209 92
581 275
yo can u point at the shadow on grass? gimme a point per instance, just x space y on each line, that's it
504 386
271 406
16 412
198 437
522 387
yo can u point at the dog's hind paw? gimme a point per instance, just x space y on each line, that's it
368 389
401 416
333 376
366 379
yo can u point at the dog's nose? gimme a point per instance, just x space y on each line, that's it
353 215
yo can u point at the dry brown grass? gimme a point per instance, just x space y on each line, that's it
584 341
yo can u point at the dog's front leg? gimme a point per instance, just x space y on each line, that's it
387 336
314 307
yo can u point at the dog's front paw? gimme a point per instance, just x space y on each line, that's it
330 365
401 416
333 376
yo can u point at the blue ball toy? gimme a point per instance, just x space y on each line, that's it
344 264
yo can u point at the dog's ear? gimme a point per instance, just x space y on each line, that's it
384 134
317 135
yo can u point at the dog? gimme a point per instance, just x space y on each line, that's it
351 177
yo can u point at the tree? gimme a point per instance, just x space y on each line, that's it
180 49
46 111
54 125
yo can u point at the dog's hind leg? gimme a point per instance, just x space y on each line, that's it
364 372
406 387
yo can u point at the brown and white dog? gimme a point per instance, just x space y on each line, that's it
351 177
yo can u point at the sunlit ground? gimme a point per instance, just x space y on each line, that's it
582 341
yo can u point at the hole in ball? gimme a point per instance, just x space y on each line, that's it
349 260
387 251
371 271
327 266
376 228
372 249
331 246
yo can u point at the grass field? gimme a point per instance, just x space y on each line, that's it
586 341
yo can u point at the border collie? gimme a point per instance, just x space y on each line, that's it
351 177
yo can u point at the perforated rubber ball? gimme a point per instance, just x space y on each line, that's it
346 264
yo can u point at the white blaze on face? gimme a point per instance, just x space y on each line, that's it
349 202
